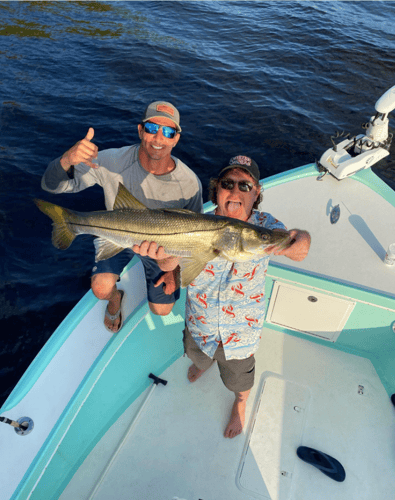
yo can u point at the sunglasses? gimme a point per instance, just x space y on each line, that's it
243 186
152 128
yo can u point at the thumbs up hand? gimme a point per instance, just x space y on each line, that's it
83 151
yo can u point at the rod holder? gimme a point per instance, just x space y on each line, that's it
26 426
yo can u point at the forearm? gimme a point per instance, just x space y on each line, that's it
65 163
55 178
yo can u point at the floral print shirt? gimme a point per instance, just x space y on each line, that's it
226 302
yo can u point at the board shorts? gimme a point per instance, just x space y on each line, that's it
236 374
116 265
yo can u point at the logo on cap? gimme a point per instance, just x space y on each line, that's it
240 160
165 109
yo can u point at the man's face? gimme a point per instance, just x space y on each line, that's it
157 146
235 203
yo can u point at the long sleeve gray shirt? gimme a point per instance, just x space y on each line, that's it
181 188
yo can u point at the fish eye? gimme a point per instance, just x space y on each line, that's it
264 236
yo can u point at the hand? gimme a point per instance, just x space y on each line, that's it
82 152
150 249
170 281
299 248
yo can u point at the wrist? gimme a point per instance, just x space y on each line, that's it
65 163
168 264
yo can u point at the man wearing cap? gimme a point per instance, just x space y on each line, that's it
154 177
225 304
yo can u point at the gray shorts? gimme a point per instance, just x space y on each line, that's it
236 374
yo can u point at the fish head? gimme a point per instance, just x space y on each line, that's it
257 239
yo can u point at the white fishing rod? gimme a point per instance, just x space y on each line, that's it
156 381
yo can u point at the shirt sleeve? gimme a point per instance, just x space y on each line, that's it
267 220
196 202
56 180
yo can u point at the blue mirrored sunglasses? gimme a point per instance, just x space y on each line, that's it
152 128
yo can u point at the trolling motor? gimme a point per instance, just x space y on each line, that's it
361 151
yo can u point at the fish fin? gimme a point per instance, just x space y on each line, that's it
125 199
62 234
191 267
178 211
105 249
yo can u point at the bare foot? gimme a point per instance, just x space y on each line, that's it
113 307
237 416
194 373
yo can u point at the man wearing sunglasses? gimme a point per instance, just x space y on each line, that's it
225 304
154 177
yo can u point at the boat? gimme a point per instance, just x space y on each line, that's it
108 416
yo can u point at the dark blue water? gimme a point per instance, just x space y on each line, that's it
269 79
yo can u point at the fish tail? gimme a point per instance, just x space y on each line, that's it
62 234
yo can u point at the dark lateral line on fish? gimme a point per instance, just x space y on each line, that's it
136 232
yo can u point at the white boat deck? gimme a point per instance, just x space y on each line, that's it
304 393
177 448
352 250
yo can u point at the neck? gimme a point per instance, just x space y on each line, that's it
157 167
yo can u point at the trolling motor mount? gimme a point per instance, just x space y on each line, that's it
364 150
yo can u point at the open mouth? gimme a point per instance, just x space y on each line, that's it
233 206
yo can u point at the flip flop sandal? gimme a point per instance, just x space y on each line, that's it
118 314
326 464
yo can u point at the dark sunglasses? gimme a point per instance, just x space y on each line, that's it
229 184
152 128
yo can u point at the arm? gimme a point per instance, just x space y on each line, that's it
196 203
59 175
299 249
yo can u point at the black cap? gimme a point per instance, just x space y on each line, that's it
244 162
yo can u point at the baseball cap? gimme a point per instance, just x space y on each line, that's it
165 109
244 162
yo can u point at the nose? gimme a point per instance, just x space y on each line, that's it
159 135
235 187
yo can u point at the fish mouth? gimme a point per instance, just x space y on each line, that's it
280 241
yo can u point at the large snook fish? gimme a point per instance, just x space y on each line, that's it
196 238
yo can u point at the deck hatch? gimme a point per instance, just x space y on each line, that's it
308 311
274 432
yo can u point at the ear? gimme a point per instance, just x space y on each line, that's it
176 139
140 130
258 191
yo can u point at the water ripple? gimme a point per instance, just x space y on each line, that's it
269 79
